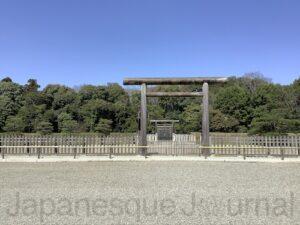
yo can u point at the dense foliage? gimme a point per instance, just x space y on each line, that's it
250 104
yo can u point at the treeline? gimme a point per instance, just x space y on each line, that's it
250 104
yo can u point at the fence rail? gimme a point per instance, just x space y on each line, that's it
182 144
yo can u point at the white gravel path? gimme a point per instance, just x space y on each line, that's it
84 158
150 192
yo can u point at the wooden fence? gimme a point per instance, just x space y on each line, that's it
256 145
68 145
182 144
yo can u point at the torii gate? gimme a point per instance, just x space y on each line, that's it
174 81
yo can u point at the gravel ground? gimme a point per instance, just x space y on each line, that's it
178 192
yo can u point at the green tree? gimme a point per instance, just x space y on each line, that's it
104 126
115 93
88 92
66 123
44 127
59 96
14 124
234 101
10 100
6 79
191 118
223 123
94 109
296 90
31 86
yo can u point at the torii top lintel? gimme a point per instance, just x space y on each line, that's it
173 80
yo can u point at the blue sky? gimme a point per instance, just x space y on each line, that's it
76 42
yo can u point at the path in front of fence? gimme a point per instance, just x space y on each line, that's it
150 193
181 145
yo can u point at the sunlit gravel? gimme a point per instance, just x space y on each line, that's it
178 192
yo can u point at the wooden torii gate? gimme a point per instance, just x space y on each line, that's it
174 81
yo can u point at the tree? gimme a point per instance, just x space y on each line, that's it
252 81
104 126
31 86
95 109
59 96
115 93
10 100
234 101
14 124
7 79
66 124
296 90
266 124
223 123
28 115
88 92
44 127
191 118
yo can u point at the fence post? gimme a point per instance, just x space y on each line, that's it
39 147
75 152
110 152
2 149
27 148
39 152
267 145
237 144
83 145
55 144
298 145
73 143
244 147
282 153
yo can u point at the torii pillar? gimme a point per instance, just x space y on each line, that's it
205 120
143 121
